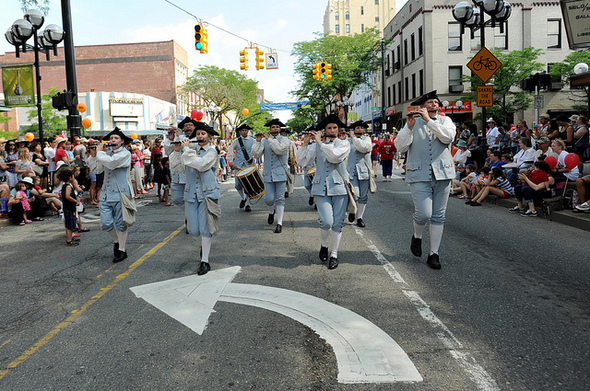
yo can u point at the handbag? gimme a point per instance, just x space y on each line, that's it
213 211
351 207
37 169
372 183
128 206
289 178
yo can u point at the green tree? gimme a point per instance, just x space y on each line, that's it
508 99
563 70
41 5
54 121
352 57
228 90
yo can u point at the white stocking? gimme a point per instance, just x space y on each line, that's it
122 239
206 246
436 232
325 235
418 229
271 209
113 233
336 236
280 212
361 211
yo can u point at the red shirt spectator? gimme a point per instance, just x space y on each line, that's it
387 149
61 155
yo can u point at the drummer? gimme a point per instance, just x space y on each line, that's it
306 175
328 185
200 167
358 165
275 149
239 156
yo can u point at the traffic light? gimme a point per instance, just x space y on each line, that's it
259 59
323 70
244 59
204 47
328 71
316 71
200 38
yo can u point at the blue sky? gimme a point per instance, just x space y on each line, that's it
275 24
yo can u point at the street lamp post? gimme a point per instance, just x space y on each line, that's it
468 16
19 34
345 103
458 104
213 110
582 79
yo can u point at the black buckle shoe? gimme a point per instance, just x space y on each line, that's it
433 261
271 218
278 229
248 209
203 268
122 256
360 223
242 204
116 251
310 202
333 263
351 217
323 254
416 246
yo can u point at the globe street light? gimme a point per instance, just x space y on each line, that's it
18 35
581 71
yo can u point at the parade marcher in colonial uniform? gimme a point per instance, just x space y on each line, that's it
358 165
239 156
309 166
200 167
426 138
116 165
275 149
328 185
291 161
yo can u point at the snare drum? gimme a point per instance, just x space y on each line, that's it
311 173
251 181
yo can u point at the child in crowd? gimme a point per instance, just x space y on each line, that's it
534 187
21 196
467 183
158 176
166 178
69 204
482 179
498 185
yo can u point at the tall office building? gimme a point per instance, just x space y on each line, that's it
346 17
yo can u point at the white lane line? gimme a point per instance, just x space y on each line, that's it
482 380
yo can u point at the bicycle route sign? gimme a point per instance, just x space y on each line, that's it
484 64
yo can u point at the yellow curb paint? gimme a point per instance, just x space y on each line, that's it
29 352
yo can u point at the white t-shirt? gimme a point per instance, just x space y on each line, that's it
461 157
573 174
491 135
50 153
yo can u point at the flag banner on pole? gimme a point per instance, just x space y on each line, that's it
19 86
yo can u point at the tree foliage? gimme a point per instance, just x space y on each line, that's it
563 70
54 121
508 97
352 57
228 90
41 5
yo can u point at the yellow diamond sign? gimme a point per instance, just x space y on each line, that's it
484 64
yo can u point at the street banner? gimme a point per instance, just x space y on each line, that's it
304 104
19 86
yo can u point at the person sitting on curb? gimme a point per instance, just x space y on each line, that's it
583 187
534 187
498 185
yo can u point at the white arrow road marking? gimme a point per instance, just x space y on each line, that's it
365 353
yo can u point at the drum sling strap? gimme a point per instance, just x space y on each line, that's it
246 156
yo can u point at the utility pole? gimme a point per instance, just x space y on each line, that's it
73 118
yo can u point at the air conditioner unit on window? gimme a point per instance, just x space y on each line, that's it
396 66
456 88
387 72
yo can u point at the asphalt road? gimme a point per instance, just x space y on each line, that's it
507 311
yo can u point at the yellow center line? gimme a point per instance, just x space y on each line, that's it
29 352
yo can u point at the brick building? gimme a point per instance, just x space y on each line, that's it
154 69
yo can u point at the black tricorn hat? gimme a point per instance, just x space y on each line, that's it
309 129
243 126
275 121
420 101
117 131
206 128
185 121
358 123
331 119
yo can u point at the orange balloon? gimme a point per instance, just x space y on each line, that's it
81 107
245 112
29 137
86 123
134 136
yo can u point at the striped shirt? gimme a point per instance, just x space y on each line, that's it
504 184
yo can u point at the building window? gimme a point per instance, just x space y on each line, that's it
362 10
455 40
347 15
376 2
421 82
501 39
393 94
553 33
407 89
413 46
405 51
455 73
475 43
337 15
413 85
388 96
376 18
399 91
399 57
420 44
337 27
347 29
362 28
